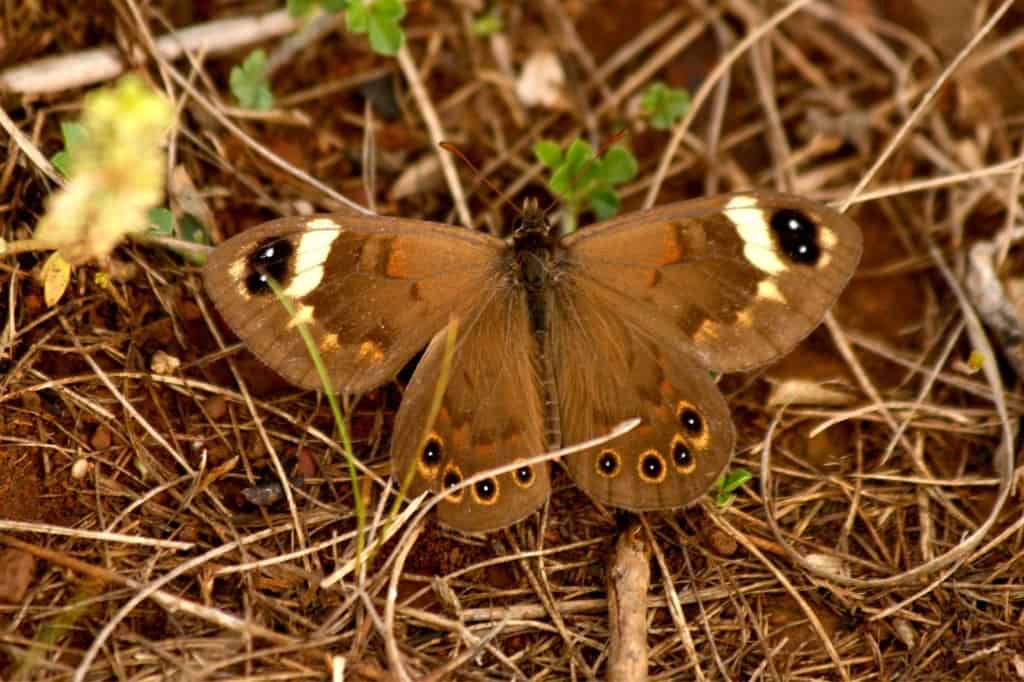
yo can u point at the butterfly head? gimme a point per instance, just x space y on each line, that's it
532 226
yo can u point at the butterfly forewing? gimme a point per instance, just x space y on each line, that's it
738 280
372 291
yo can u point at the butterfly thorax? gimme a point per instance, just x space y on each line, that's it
533 244
533 251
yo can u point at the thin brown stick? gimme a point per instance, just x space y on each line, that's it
437 134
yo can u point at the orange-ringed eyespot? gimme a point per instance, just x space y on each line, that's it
681 455
452 479
608 463
486 491
431 454
652 468
690 420
524 476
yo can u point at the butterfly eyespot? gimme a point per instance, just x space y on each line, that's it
797 236
453 477
270 258
651 467
485 492
608 463
523 476
430 457
690 419
682 456
270 252
693 425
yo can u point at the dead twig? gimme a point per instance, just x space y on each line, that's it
629 579
66 72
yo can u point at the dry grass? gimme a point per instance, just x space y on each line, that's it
882 536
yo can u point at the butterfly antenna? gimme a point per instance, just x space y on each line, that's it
608 144
479 177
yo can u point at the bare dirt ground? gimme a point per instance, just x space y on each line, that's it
887 543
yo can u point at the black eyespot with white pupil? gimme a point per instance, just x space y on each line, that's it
681 454
524 475
452 479
651 467
486 489
431 454
797 235
608 463
690 420
271 258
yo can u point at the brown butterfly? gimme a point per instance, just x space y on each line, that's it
559 339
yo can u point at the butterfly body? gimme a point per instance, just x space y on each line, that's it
558 340
534 264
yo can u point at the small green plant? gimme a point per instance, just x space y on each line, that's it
578 178
487 24
332 400
191 229
249 82
180 231
665 105
73 134
379 19
728 484
161 222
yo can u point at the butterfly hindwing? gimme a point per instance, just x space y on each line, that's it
372 291
491 414
605 373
